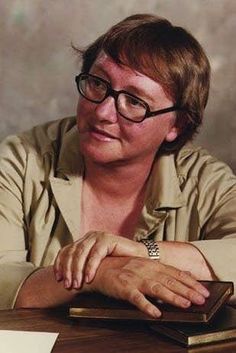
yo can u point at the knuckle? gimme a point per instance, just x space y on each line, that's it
156 289
123 279
182 275
96 252
188 273
135 297
78 250
170 282
71 250
81 247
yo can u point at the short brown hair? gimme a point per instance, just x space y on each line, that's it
166 53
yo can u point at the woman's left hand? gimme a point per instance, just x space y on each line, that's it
80 260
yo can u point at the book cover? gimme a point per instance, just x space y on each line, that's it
97 306
221 328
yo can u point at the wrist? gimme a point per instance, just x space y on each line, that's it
142 250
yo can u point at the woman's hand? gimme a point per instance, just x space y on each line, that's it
133 279
80 260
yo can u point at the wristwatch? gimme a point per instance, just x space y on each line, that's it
152 248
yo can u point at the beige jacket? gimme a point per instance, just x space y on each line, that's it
190 197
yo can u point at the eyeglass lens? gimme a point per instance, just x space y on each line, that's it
95 90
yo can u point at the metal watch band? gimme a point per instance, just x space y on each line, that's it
153 248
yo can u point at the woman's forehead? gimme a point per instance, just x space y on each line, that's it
124 77
106 63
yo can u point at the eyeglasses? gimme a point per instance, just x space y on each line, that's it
96 90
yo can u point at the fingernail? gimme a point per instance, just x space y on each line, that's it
156 313
75 284
58 276
67 283
205 292
199 299
87 278
186 303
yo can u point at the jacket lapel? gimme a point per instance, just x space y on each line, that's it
67 184
67 194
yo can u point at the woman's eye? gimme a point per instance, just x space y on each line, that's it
134 102
96 83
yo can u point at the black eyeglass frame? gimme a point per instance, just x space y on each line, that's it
115 94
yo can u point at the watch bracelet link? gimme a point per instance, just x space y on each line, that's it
152 248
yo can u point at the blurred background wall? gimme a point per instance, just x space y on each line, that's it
37 65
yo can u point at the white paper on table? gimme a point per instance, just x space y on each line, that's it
26 341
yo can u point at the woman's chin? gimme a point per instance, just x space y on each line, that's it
100 154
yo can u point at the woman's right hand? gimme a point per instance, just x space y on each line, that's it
78 262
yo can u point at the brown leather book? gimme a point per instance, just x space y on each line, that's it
221 328
97 306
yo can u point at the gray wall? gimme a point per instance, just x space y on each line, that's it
37 65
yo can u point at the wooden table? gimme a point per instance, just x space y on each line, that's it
80 336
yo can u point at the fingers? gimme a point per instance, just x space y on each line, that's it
167 283
142 303
197 292
70 262
171 291
125 286
79 261
131 287
96 255
175 287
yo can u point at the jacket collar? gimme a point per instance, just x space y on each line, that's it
163 189
70 161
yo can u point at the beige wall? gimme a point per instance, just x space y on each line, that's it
37 66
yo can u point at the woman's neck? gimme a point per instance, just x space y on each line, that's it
120 182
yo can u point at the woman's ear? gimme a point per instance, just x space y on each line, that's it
172 134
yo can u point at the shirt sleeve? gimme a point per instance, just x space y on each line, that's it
217 216
14 242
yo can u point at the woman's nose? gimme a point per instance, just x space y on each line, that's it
106 111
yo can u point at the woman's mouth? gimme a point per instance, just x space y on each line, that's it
101 134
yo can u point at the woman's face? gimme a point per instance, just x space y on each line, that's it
107 137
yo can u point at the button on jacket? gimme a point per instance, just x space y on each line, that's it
191 197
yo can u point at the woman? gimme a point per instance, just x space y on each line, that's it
88 202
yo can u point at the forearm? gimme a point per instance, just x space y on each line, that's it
186 257
41 290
